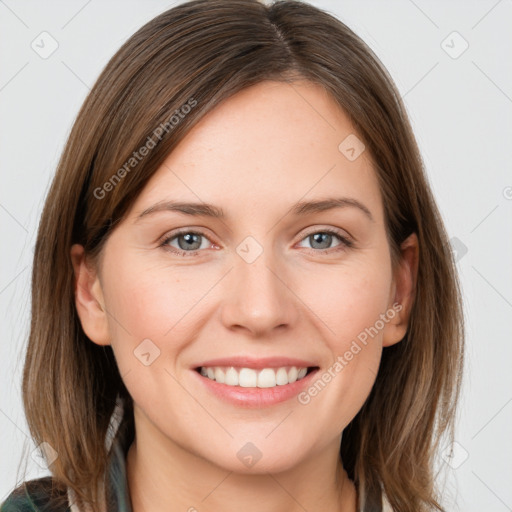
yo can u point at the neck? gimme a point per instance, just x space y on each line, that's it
163 476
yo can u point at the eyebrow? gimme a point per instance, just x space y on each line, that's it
299 209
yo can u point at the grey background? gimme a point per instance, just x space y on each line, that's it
460 107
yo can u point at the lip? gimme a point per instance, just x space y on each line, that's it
257 363
254 397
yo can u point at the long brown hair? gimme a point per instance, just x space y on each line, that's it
202 52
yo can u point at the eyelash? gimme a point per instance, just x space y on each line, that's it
345 242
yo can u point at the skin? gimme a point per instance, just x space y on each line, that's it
255 155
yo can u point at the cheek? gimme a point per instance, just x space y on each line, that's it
152 317
347 300
150 301
156 310
140 306
349 303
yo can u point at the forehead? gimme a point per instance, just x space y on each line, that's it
264 148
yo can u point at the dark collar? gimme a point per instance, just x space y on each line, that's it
116 484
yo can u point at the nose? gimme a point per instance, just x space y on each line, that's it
259 299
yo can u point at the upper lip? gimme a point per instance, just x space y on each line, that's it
257 362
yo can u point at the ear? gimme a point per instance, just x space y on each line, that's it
89 298
403 291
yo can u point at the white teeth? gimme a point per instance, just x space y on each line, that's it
247 378
219 375
267 378
231 377
251 378
281 377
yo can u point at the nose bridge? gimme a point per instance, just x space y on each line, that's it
258 298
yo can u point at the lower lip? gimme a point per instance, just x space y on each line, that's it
256 397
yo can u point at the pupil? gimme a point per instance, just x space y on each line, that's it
190 239
318 238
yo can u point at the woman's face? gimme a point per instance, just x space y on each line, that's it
272 284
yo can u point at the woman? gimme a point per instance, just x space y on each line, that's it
220 363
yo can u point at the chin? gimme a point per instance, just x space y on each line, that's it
253 457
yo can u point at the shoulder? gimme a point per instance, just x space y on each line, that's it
38 495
